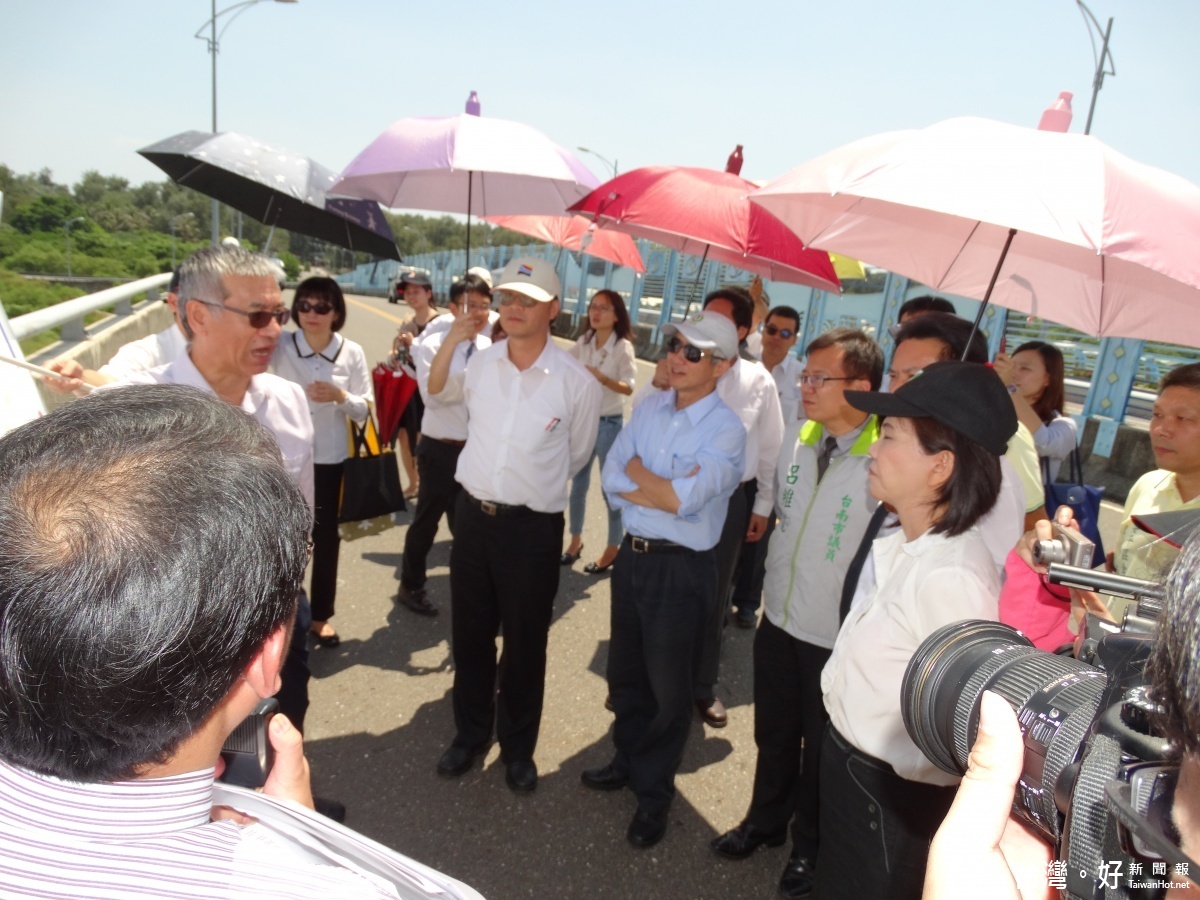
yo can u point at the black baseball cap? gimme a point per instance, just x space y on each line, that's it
416 278
967 397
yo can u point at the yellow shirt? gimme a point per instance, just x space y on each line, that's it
1023 455
1138 554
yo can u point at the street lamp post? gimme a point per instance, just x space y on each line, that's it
213 39
1102 58
171 223
608 162
67 229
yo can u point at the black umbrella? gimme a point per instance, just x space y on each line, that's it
275 186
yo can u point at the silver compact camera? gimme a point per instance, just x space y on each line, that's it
1068 547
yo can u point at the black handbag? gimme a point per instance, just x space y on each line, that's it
1084 500
370 479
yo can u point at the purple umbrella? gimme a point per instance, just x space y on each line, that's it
467 164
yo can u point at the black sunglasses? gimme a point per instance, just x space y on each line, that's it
321 309
784 333
259 318
689 352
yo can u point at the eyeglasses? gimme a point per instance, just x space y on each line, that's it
321 309
506 298
479 307
597 308
259 318
690 353
816 381
784 333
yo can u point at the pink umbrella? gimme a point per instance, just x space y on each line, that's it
1055 225
467 164
705 213
577 233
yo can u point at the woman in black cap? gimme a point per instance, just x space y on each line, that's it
937 464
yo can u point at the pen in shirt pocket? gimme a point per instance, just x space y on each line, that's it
553 423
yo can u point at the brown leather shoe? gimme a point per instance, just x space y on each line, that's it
713 712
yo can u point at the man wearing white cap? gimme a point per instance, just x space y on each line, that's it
671 473
532 415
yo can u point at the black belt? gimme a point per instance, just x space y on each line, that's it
447 441
650 545
496 509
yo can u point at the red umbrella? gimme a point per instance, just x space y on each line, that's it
705 213
393 389
577 233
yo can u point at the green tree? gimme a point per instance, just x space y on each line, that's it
47 213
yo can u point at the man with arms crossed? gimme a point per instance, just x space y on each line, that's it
671 473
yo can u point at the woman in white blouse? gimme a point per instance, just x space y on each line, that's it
606 349
333 372
937 463
1036 377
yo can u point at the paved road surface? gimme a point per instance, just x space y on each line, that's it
381 716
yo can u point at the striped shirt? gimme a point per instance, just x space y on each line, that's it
149 838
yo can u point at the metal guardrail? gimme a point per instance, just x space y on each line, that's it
69 314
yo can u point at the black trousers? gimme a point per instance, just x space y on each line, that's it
752 563
789 722
503 575
875 826
327 492
437 492
661 603
295 674
733 534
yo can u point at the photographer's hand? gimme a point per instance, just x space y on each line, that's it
289 778
981 850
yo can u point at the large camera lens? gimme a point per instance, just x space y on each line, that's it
1055 697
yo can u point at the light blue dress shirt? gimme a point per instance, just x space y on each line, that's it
671 443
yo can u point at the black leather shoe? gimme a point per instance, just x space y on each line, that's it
416 601
604 778
746 618
458 760
744 840
521 776
647 829
798 878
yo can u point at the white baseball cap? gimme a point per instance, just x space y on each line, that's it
708 331
532 277
482 273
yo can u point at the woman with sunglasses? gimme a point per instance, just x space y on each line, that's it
1036 379
937 464
606 349
333 372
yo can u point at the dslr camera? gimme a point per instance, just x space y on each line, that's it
1096 781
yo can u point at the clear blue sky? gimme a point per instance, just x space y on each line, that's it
83 83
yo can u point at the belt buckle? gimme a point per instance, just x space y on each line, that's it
488 507
639 544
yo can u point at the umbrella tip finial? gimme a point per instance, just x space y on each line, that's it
734 164
473 104
1057 116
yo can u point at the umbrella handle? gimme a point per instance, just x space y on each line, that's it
1012 233
696 282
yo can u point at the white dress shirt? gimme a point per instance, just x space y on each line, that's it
923 584
528 432
146 353
787 382
277 404
443 419
342 364
615 359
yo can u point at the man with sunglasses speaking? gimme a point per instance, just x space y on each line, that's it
532 415
671 472
231 309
